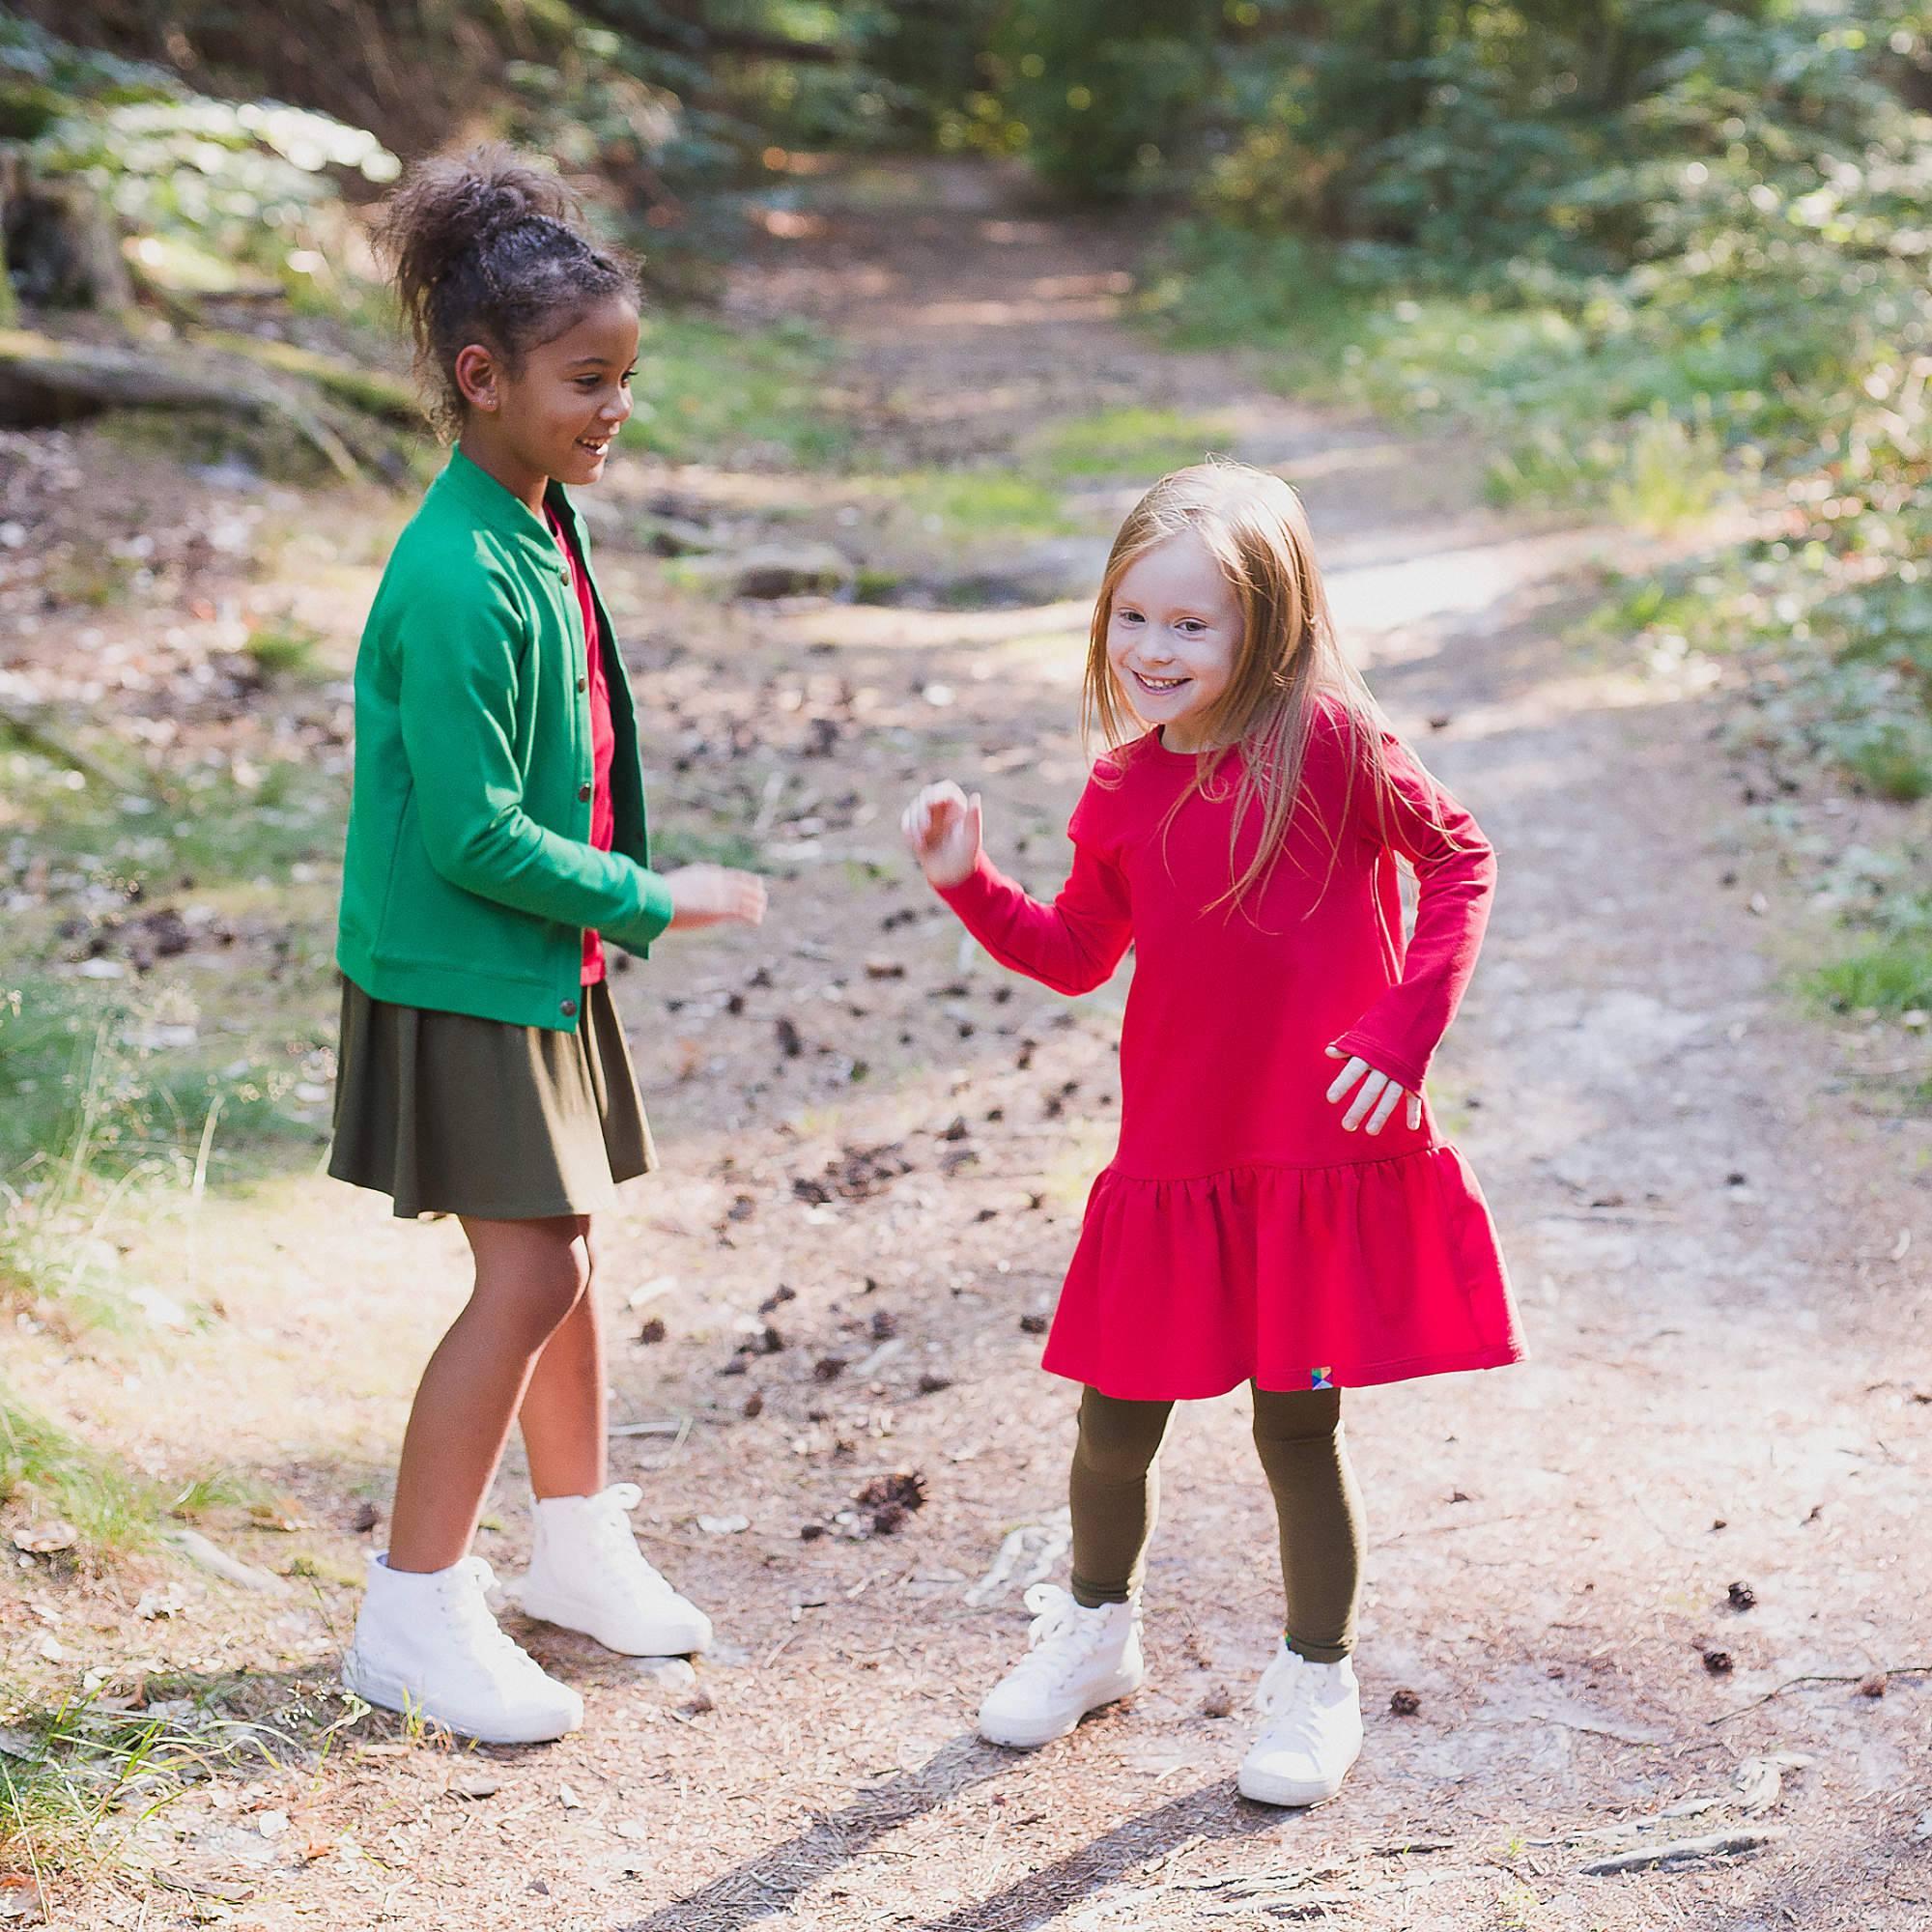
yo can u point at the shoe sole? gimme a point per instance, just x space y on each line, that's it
567 1613
1027 1737
1288 1793
391 1693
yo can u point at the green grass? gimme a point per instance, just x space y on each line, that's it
982 502
707 392
285 648
222 1490
1892 760
1889 977
45 1472
111 1099
1672 475
212 821
65 1773
1125 443
1577 404
77 1776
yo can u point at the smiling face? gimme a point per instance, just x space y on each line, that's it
556 414
1173 631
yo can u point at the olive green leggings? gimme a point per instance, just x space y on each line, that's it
1115 1492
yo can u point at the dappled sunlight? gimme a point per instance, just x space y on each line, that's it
1016 311
894 627
1462 581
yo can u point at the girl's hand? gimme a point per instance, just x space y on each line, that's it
942 831
1376 1097
715 895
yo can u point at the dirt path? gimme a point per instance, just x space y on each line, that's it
1720 1258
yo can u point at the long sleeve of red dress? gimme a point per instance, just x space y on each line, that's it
1456 879
1073 945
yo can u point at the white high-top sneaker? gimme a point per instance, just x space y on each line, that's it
1313 1733
1076 1660
587 1574
425 1642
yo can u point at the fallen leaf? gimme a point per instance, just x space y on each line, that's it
43 1539
21 1899
724 1525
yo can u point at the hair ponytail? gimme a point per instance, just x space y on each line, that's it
487 248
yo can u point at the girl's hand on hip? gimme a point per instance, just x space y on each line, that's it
715 895
942 831
1375 1099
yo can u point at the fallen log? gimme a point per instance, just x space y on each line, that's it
46 381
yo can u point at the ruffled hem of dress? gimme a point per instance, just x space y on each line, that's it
1293 1277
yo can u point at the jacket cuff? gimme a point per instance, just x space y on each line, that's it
655 907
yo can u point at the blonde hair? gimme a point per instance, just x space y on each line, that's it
1287 661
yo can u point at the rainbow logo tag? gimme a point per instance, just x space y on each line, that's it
1320 1379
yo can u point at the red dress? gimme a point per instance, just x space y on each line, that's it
1239 1230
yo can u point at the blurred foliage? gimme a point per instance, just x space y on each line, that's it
214 196
1661 253
1658 255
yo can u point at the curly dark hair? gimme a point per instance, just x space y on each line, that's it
488 248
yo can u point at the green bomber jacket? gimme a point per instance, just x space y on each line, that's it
469 877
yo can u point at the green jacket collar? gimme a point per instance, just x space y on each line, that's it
499 510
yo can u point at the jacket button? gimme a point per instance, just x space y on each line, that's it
584 794
563 571
568 1009
584 684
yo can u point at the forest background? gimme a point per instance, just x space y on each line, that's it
1662 263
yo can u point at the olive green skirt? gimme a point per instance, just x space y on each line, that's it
451 1115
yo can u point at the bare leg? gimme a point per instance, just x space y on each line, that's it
530 1275
565 1412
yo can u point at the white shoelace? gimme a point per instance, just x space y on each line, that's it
1062 1636
467 1592
1286 1698
618 1542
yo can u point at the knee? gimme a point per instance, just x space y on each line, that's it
1299 1416
556 1281
1116 1447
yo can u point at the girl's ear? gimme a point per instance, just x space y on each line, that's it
478 381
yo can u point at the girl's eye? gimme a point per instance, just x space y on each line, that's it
1192 626
1129 616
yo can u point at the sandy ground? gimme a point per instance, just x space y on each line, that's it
1718 1233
